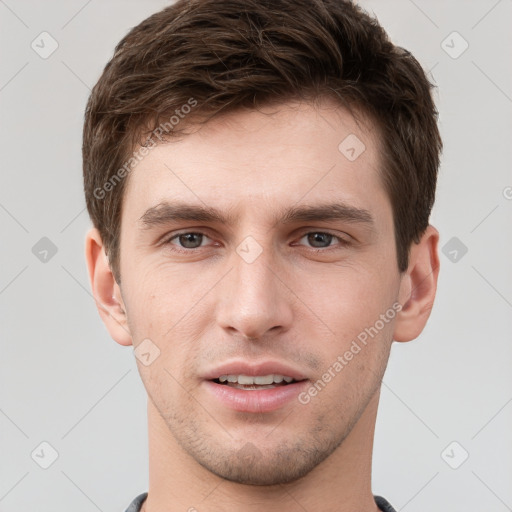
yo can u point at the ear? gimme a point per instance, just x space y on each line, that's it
418 287
105 290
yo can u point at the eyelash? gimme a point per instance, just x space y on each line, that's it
342 242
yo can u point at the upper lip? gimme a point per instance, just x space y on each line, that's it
254 368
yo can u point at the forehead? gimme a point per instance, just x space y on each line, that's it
264 159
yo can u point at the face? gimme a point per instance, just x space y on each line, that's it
261 245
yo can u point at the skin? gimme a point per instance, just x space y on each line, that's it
302 301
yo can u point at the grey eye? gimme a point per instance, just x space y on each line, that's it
190 240
319 238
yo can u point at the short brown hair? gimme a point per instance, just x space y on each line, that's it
229 54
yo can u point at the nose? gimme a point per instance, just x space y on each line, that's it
254 298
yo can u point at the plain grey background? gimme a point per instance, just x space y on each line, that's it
443 439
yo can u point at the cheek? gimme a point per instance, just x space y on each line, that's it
354 299
358 308
158 299
166 308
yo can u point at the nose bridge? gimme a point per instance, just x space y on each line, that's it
253 300
253 271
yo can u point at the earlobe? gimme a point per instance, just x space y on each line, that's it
105 290
418 287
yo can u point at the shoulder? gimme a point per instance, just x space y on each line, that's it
136 504
383 504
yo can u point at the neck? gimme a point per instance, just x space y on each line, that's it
341 483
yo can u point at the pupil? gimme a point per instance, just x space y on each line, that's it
186 240
313 238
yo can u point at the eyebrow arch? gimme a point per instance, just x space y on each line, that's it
325 212
166 212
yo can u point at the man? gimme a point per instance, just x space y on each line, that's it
260 176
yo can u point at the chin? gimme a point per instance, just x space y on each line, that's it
250 466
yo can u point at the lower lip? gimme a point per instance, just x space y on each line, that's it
255 400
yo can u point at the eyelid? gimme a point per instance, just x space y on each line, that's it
341 240
327 231
168 239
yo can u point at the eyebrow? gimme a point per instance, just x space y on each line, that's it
166 212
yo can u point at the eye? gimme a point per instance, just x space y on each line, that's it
319 241
322 240
188 240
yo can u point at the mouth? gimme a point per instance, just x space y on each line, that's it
257 388
256 382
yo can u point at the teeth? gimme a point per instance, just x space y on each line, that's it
267 379
259 379
245 379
